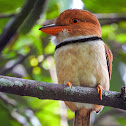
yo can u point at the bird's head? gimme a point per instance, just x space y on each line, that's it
73 23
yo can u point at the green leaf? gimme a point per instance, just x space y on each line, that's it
9 6
3 23
122 121
70 114
47 111
50 48
122 24
4 114
55 7
121 38
105 6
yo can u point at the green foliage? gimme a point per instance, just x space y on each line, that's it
121 38
39 60
105 6
2 24
55 7
4 114
7 6
122 121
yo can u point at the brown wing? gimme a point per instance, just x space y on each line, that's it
109 58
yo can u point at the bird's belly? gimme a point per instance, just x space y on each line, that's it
82 65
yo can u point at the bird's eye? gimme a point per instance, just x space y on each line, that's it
74 20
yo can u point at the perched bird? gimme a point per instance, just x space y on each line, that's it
81 57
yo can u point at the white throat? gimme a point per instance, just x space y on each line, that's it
65 36
56 41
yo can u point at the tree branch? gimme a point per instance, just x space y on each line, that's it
7 15
19 60
13 25
38 9
106 19
43 90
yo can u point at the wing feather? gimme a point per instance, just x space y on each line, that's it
109 58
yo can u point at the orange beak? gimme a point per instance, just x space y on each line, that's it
53 29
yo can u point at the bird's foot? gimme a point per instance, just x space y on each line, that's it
99 89
69 84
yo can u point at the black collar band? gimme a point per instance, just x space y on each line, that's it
77 41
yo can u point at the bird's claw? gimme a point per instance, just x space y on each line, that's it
99 89
69 84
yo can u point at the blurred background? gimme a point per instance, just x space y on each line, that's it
26 52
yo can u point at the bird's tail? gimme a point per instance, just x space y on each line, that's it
82 117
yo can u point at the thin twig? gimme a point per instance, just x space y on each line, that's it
43 90
7 15
7 100
106 19
20 60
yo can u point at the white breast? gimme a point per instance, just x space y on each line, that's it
82 64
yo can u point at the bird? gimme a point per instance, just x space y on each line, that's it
81 56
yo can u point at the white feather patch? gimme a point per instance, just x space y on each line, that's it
65 36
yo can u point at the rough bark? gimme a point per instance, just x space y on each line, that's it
44 90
